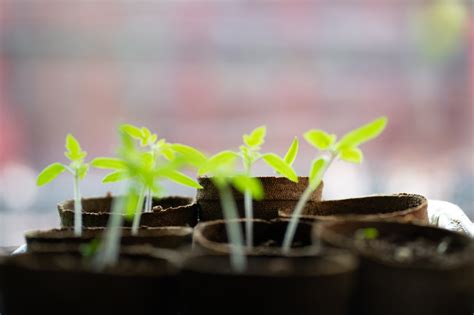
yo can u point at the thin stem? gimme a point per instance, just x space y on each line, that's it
249 218
109 248
77 206
149 201
291 229
138 212
234 232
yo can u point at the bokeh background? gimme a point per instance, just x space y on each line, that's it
204 72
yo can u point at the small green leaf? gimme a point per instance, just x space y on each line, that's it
256 137
74 151
362 134
245 183
82 171
317 171
320 139
192 155
108 163
353 155
50 173
115 177
220 159
89 249
132 131
367 234
292 152
180 178
280 166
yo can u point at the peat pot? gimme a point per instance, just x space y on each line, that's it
280 194
406 268
167 211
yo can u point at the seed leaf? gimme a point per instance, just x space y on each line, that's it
50 173
180 178
245 183
221 159
192 155
352 155
132 131
292 152
363 134
280 166
320 139
108 163
115 177
317 171
256 138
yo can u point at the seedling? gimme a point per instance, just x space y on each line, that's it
347 149
250 154
147 168
222 168
77 167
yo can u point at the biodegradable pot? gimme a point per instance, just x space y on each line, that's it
280 194
211 237
64 240
64 284
279 285
407 207
167 211
401 271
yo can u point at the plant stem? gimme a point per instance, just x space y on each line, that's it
234 232
249 217
149 201
109 248
291 229
77 206
138 212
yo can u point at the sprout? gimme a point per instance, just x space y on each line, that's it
77 167
222 168
347 149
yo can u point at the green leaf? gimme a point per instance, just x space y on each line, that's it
256 138
115 177
192 155
89 249
280 166
367 234
180 178
220 159
292 152
245 183
317 171
50 173
320 139
353 155
82 171
362 134
132 131
108 163
74 151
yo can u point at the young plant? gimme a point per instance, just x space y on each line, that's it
77 167
147 168
222 168
250 154
347 149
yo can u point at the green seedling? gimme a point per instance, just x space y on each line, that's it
346 149
77 167
367 234
147 168
222 168
250 154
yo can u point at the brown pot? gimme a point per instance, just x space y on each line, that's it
407 207
280 194
167 211
311 285
64 240
389 286
65 284
211 237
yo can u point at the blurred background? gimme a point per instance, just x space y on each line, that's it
205 72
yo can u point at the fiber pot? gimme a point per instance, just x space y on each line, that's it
408 207
211 237
408 269
64 284
280 194
167 211
64 240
